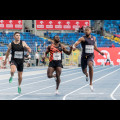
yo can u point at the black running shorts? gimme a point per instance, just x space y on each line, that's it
19 65
55 64
85 59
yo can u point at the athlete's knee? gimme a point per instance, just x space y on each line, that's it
58 80
84 71
49 76
90 65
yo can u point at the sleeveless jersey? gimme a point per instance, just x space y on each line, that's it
88 46
17 52
55 53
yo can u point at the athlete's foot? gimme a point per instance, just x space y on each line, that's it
87 78
10 80
19 90
91 88
56 92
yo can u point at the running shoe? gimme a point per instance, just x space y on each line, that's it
19 90
91 88
87 79
56 92
10 80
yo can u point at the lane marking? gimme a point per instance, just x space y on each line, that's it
55 85
64 98
111 95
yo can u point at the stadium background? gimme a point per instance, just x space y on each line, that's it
38 34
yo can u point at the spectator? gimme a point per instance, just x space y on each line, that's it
38 49
3 33
27 59
82 29
113 46
37 58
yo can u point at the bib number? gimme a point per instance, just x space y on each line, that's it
18 55
56 56
89 49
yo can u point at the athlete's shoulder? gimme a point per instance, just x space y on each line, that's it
82 39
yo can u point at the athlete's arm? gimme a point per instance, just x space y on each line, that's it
7 53
26 46
66 51
78 42
47 51
95 48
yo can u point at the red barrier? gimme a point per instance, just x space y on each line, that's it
11 24
61 24
113 52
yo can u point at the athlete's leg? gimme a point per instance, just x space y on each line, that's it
58 73
84 70
13 69
50 72
19 78
90 64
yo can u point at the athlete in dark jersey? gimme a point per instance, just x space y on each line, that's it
88 46
17 47
55 59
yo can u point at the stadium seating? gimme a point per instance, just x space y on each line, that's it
112 26
29 38
70 38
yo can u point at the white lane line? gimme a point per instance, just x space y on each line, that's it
38 81
42 77
91 93
114 92
44 80
64 98
6 76
8 93
55 85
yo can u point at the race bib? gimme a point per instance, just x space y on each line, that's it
18 55
89 49
56 56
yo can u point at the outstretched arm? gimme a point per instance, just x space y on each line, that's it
47 51
78 42
66 51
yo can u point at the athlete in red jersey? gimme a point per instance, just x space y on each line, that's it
55 64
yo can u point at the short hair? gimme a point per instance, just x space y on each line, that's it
87 27
16 33
54 37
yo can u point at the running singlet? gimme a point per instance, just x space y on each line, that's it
88 46
55 53
17 52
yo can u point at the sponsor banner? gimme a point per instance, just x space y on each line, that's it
114 54
61 24
11 24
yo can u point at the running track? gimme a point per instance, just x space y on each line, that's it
36 85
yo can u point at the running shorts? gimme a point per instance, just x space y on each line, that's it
19 65
85 59
55 64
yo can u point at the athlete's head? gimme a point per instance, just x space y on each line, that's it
17 36
87 31
56 38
